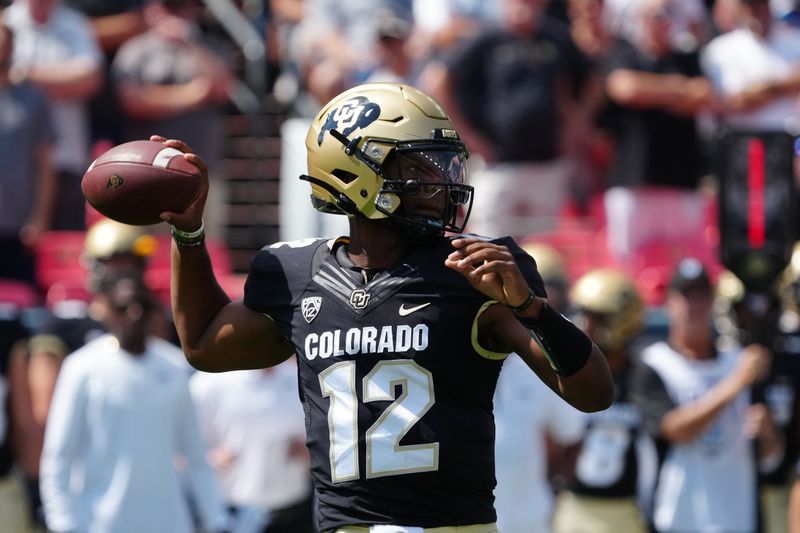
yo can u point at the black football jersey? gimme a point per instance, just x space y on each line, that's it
396 390
614 444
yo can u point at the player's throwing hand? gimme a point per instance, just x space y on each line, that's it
490 268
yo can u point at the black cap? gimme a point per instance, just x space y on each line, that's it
690 273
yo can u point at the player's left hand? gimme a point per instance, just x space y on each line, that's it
490 268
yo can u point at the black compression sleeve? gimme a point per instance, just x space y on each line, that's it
566 347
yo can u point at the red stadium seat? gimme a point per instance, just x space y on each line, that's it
58 258
18 294
582 247
67 290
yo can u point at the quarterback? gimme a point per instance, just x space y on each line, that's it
400 328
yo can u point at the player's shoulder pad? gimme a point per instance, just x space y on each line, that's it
279 272
287 256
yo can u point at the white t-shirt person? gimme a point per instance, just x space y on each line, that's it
707 484
117 425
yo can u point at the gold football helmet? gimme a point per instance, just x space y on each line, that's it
611 295
366 130
549 263
108 238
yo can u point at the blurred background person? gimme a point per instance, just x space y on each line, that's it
533 426
658 156
553 271
254 427
615 451
121 416
521 96
14 419
28 183
695 402
113 22
755 70
55 50
110 249
745 316
174 80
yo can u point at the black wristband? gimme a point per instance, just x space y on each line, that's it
566 347
524 305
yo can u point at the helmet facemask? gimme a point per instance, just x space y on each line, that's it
428 181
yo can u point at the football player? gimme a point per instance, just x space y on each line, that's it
400 328
612 456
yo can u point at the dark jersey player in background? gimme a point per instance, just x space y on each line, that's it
400 331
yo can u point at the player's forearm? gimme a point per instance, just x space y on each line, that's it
196 296
591 388
575 368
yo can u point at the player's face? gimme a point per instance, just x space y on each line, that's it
127 315
424 176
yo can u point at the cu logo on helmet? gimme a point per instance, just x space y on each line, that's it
359 298
352 115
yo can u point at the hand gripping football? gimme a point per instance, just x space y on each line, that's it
135 182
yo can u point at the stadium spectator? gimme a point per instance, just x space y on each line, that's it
521 94
55 50
695 402
393 56
110 249
613 452
397 401
27 183
174 79
533 426
755 70
113 24
748 316
252 422
14 420
689 21
122 416
658 158
794 505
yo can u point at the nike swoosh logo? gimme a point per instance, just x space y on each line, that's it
407 311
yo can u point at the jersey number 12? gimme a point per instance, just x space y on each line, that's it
384 454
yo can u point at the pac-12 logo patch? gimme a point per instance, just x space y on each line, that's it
310 307
354 114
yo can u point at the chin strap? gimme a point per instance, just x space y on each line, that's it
342 201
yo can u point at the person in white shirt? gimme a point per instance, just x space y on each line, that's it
121 419
695 401
254 426
755 70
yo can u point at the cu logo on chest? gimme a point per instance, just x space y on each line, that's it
359 299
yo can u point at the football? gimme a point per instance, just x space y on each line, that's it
136 181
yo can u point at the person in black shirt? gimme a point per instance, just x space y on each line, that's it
400 331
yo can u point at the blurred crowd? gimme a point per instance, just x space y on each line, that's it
612 137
